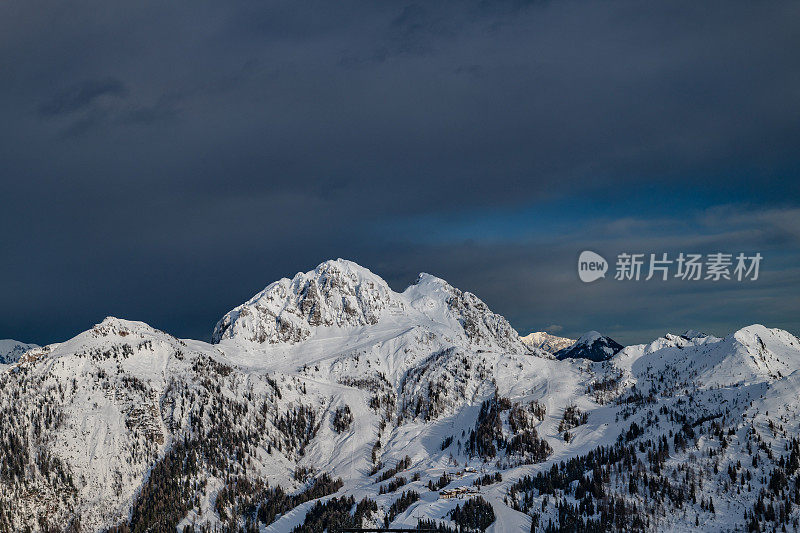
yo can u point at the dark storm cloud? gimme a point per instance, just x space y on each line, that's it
164 161
80 96
534 278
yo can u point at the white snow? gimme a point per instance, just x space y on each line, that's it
547 342
11 350
338 335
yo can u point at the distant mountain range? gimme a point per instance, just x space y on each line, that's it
547 342
11 350
329 400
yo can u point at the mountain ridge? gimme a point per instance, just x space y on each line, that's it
430 374
340 293
547 342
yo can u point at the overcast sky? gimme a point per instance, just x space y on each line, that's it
164 161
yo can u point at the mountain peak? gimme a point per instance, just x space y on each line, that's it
753 330
335 293
112 325
693 334
589 337
763 338
345 267
591 345
343 294
429 285
547 342
425 278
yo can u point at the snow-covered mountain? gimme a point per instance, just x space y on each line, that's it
547 342
592 346
11 350
341 294
330 400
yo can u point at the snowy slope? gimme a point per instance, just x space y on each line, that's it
332 373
